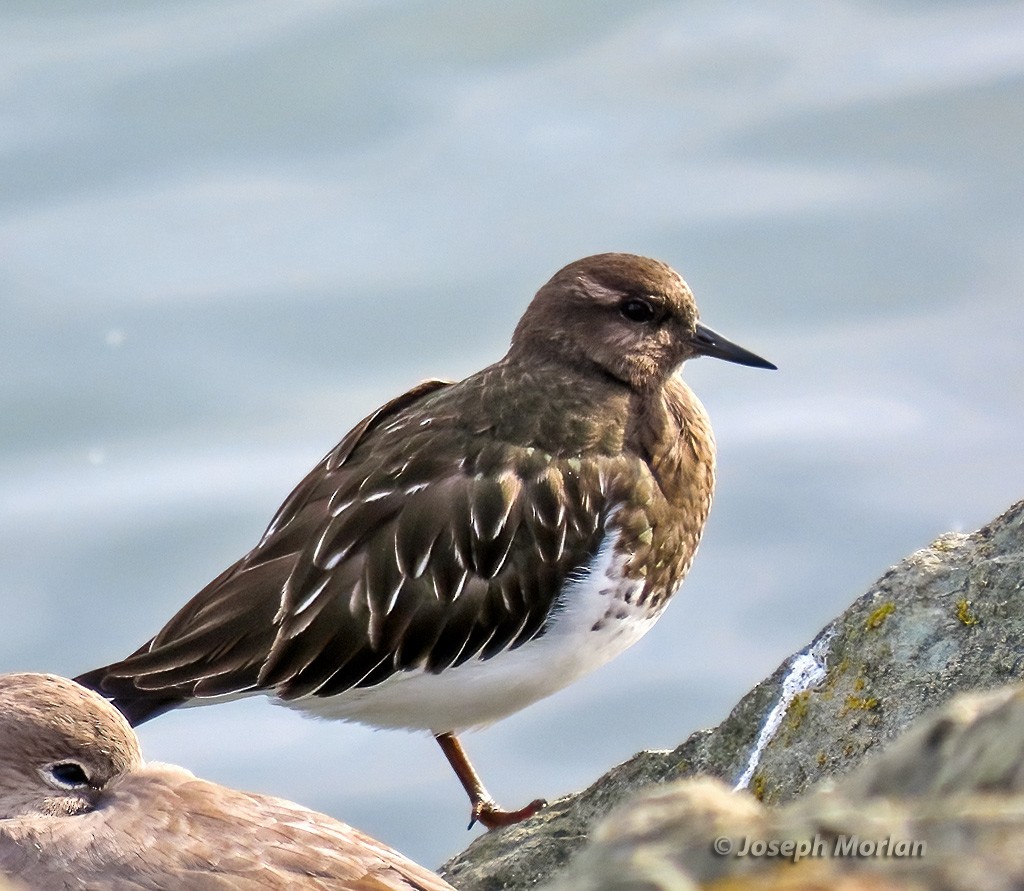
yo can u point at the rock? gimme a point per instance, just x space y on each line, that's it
949 618
940 809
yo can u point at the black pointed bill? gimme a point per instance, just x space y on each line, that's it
710 343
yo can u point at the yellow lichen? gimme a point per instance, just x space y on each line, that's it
796 711
859 703
880 615
948 542
757 787
963 612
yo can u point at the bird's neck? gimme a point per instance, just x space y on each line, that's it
549 406
670 430
566 410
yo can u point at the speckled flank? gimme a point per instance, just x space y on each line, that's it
597 617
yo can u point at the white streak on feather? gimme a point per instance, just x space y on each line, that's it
300 618
421 564
474 523
393 599
507 505
459 587
504 557
321 558
306 601
337 509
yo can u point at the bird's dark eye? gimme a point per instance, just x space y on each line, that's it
69 774
636 309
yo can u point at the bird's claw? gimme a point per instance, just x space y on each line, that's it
488 813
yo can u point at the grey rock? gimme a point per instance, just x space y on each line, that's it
940 809
975 745
948 619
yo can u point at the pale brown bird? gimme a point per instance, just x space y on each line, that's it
80 810
471 547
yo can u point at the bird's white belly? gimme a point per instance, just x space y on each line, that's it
597 619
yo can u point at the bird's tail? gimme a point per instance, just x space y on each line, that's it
138 706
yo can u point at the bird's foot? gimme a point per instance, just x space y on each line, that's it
487 812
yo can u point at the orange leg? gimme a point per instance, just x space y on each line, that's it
484 808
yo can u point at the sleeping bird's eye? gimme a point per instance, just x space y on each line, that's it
68 774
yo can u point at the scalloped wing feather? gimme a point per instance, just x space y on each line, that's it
393 554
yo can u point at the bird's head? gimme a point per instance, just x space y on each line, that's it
60 746
629 317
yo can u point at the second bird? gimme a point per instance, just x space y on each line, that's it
470 548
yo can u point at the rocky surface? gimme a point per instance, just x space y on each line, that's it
948 619
940 809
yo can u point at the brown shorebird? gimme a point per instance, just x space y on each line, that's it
470 548
79 809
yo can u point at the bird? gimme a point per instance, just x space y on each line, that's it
470 548
80 809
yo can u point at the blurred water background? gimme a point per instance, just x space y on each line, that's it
229 230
